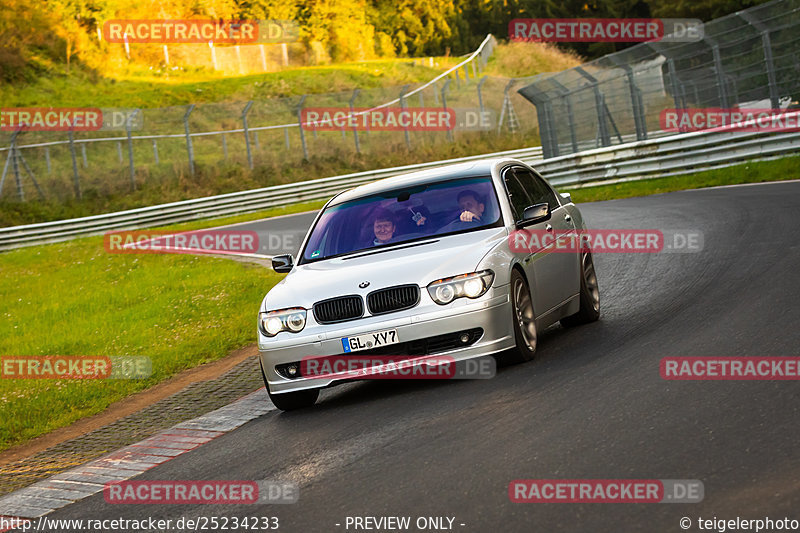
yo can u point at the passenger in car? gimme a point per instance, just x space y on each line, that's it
383 226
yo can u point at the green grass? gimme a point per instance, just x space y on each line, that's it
179 310
753 172
82 90
76 299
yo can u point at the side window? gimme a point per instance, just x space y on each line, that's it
517 196
538 190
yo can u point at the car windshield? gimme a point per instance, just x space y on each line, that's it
402 215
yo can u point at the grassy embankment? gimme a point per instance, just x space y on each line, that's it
105 178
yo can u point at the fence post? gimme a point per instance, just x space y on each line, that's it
444 106
565 93
155 150
466 74
599 103
47 159
30 174
128 126
673 78
75 179
773 84
247 133
286 138
636 103
15 165
766 44
505 109
119 151
213 54
263 57
480 96
5 171
403 106
83 154
300 124
189 148
355 128
721 82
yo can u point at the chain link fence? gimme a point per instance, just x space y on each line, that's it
748 59
152 144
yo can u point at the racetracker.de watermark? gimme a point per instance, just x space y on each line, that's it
200 31
378 119
193 242
605 30
606 491
70 119
201 492
527 241
356 366
51 119
730 368
711 118
75 367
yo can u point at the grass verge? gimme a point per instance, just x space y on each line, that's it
179 310
752 172
82 90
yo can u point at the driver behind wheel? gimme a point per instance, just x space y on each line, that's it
471 205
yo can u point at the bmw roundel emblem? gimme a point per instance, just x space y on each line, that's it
363 284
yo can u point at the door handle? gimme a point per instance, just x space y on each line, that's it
548 227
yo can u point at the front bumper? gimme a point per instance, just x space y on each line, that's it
492 313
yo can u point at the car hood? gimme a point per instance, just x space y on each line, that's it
419 264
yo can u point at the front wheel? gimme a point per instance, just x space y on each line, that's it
590 295
524 321
289 401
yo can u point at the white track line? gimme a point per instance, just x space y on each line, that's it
73 485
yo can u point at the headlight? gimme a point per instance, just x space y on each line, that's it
473 285
273 322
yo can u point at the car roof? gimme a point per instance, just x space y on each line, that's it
471 169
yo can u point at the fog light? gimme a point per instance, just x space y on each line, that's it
464 338
292 370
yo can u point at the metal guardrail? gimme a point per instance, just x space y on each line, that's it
215 206
665 156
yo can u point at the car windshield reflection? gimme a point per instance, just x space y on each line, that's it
403 215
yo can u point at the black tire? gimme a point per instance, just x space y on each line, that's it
589 296
290 401
524 318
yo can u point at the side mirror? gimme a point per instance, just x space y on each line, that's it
535 213
283 264
567 197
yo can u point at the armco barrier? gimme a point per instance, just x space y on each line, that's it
664 156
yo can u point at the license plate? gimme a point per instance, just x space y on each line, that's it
370 340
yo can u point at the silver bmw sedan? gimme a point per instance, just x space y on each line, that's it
452 262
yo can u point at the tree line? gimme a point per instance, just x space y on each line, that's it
39 36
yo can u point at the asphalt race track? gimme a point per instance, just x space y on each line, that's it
592 405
